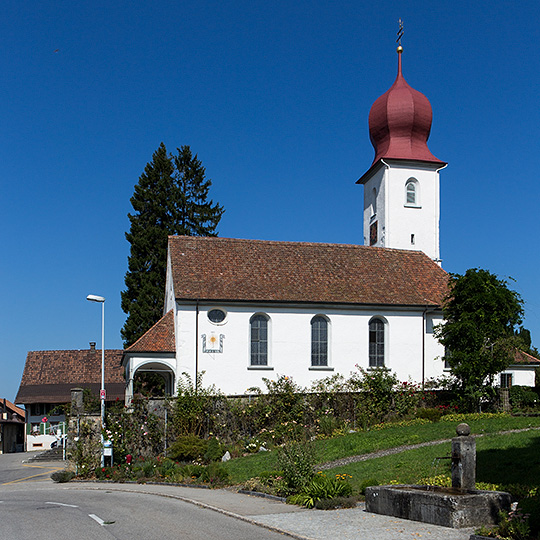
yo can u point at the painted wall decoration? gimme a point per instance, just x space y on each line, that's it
212 343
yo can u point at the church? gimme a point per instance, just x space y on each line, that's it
243 310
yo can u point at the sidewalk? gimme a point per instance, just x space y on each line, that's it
346 524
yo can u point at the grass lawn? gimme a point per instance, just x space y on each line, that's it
501 458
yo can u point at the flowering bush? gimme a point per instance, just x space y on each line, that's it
513 525
465 417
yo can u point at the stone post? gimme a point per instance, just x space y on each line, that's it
464 459
77 402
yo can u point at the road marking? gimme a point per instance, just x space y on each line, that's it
63 504
98 519
33 476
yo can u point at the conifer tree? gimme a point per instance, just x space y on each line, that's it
171 197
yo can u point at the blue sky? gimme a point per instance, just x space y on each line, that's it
274 98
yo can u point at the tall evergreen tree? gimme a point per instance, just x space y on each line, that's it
170 198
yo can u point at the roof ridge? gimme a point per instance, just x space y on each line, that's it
74 350
295 242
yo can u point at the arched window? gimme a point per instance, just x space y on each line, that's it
258 329
376 343
319 341
411 193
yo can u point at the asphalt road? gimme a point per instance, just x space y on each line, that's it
45 511
13 470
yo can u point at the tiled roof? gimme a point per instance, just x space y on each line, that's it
525 358
160 338
49 376
11 407
261 271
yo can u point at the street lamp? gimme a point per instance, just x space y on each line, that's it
101 300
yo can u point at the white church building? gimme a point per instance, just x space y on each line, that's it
241 310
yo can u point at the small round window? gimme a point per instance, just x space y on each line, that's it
216 316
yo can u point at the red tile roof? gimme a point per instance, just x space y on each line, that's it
12 408
525 358
49 376
261 271
160 338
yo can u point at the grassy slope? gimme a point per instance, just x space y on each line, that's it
499 457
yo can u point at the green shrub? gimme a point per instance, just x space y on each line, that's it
214 474
522 396
512 526
193 407
431 414
366 483
62 476
187 448
329 424
296 461
214 451
531 506
192 471
322 487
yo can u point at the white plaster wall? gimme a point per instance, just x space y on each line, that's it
396 220
290 345
169 287
39 442
376 182
422 220
132 362
521 376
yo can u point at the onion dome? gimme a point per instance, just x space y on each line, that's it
400 122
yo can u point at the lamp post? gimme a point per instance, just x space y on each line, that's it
101 300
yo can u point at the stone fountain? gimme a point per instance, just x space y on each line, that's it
459 506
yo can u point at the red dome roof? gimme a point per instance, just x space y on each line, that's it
400 122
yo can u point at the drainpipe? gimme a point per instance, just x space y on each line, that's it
196 345
424 346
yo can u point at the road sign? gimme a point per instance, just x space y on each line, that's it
102 394
44 419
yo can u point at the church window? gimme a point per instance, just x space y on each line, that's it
258 325
319 341
376 343
373 234
411 193
217 316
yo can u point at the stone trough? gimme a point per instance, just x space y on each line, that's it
436 505
459 506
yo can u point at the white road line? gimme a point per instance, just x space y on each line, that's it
63 504
98 519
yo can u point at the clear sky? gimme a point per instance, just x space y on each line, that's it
274 98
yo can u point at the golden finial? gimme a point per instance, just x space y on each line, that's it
399 36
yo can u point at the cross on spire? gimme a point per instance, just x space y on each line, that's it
399 32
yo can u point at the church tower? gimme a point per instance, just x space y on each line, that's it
401 188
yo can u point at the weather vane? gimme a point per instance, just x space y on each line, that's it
400 32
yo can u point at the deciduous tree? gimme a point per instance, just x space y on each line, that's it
481 316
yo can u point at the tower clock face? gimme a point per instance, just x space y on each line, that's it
373 237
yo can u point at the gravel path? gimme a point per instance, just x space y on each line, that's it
398 449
